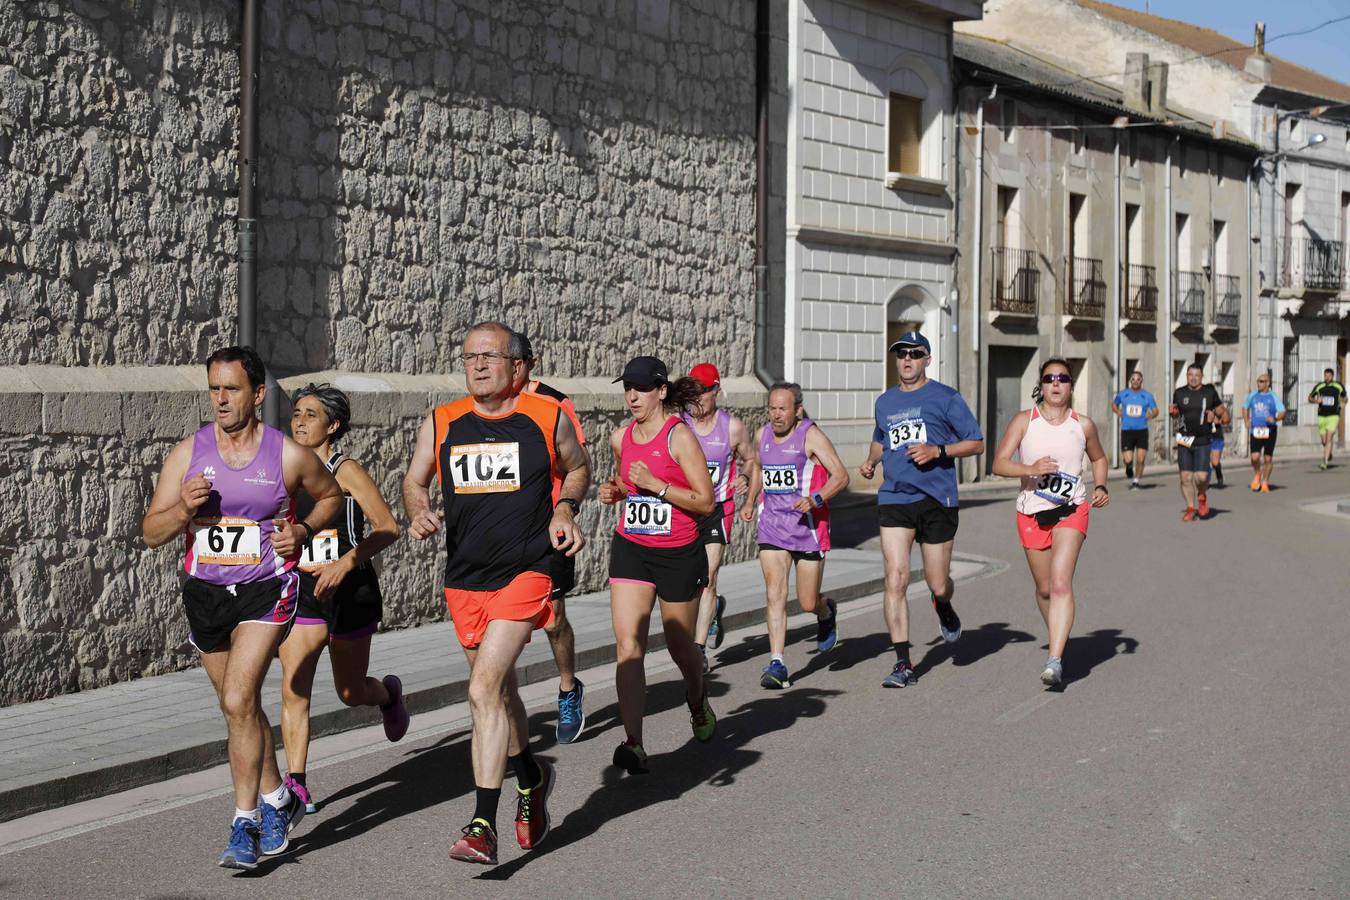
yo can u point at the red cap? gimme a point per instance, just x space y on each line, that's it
706 375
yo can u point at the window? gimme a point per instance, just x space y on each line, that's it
1290 392
1078 221
1009 122
1296 130
1077 136
1220 247
1134 236
1006 224
904 153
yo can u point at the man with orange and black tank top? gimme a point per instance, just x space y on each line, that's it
495 453
230 490
922 428
726 444
663 486
562 640
1197 406
799 473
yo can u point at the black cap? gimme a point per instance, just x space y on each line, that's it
644 371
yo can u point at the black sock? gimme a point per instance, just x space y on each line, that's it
488 798
298 778
1129 470
527 770
901 651
1218 472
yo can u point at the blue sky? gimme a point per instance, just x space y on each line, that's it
1323 51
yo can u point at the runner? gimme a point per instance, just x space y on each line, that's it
656 553
1136 407
800 473
1216 443
230 490
1052 508
1262 414
1330 399
725 442
562 640
494 453
340 600
922 427
1197 406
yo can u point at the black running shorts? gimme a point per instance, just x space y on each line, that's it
931 522
679 574
1134 439
213 611
1264 446
1193 459
354 611
797 555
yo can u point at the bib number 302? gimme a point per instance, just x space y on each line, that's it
485 468
643 514
227 541
1057 488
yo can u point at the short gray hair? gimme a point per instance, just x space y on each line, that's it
335 405
793 388
515 347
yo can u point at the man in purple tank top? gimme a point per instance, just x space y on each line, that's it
229 490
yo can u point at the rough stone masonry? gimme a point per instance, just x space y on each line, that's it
582 169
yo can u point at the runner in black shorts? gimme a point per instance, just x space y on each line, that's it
1197 406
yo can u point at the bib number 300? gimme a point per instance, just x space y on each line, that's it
227 541
485 468
643 514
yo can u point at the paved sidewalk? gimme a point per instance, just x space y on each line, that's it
98 742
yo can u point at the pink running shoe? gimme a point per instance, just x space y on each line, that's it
395 714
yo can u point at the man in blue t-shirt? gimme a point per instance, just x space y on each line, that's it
1135 406
1263 412
921 428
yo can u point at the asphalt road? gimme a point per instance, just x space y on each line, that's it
1198 749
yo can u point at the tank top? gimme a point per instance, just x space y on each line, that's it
229 540
1065 444
787 474
337 540
719 453
646 519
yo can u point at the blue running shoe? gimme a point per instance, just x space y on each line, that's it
571 715
242 851
274 835
715 633
827 634
901 676
775 676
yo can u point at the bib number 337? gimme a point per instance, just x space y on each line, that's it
910 431
485 468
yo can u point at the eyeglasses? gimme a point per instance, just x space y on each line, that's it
911 353
1057 378
491 356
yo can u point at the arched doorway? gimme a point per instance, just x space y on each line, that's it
912 308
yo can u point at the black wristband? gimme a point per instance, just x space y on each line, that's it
942 452
309 529
1102 487
576 507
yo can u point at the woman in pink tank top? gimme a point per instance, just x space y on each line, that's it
662 488
1052 507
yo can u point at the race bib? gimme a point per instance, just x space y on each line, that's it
227 541
485 468
1260 432
780 479
645 514
1185 440
322 551
909 431
715 472
1329 400
1134 410
1057 488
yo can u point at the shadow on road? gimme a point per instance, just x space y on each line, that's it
974 645
1086 652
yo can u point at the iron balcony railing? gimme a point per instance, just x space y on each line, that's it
1227 301
1312 264
1087 295
1017 281
1141 298
1190 294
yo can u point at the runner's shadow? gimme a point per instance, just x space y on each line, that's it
974 645
1085 652
758 645
663 695
675 773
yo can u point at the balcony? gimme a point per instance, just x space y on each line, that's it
1086 301
1190 298
1016 284
1309 264
1227 302
1141 295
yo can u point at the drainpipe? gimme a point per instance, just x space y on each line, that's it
762 74
1165 314
1251 290
977 274
1115 343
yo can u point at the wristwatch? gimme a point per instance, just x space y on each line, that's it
576 507
661 494
817 500
942 451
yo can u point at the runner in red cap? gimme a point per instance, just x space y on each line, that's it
731 465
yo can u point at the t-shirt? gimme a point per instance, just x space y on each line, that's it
934 414
1329 396
1192 406
1134 407
1263 405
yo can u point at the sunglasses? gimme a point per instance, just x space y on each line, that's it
907 353
1057 378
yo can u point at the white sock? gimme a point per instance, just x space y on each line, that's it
777 657
253 815
279 798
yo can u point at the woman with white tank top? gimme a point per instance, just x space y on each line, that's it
1050 440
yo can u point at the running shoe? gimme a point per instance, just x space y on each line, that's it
274 832
631 758
242 851
532 822
901 676
827 631
949 623
703 721
571 714
479 844
715 633
1203 510
395 714
1322 465
1134 485
1265 488
775 676
1189 514
1054 672
1256 483
302 792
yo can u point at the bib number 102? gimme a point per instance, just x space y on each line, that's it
485 468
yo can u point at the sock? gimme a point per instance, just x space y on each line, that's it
253 815
527 770
1054 659
777 657
486 808
702 648
298 778
1218 472
1129 470
279 798
901 651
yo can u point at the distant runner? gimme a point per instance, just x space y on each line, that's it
1329 397
1197 406
1262 414
1136 408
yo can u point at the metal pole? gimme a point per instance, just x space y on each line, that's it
1165 314
976 281
762 75
1115 342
